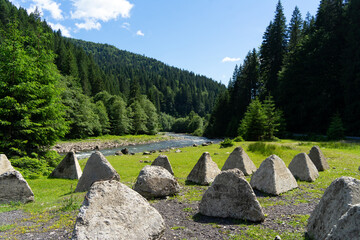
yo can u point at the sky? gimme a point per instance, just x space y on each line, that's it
207 37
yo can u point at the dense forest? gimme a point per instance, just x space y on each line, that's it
172 90
309 68
54 88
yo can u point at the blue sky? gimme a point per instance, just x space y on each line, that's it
207 37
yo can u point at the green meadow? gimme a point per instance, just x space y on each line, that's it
56 205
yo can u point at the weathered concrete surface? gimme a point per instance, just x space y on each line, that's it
303 168
68 168
5 164
163 161
14 188
97 168
318 158
111 210
230 195
156 181
204 171
342 194
348 226
273 177
239 159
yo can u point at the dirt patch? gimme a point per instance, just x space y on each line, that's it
283 214
184 222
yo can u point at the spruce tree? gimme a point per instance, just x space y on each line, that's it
252 127
31 115
295 29
272 52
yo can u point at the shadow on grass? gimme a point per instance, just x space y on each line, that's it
190 183
263 194
198 217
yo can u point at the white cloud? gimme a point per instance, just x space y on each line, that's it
126 25
64 30
140 33
48 5
93 11
229 59
88 25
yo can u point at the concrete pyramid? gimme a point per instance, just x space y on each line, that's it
204 171
97 168
68 168
303 168
230 195
339 198
348 225
156 181
5 164
163 161
13 187
239 159
112 210
318 158
273 177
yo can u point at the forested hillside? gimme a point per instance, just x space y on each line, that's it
311 68
53 87
173 91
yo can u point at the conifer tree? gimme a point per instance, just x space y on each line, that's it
295 29
272 51
31 115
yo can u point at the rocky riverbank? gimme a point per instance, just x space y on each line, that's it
100 144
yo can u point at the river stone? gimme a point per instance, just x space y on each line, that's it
303 168
68 168
348 225
125 151
342 194
5 164
318 158
239 159
163 161
273 177
111 210
14 188
204 171
97 168
156 181
230 195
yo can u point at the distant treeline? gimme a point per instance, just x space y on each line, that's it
311 68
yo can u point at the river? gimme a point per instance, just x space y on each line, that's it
182 140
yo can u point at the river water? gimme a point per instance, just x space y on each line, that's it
181 140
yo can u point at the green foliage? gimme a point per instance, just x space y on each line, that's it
252 126
166 122
263 148
336 129
30 111
191 124
80 111
173 91
261 121
239 139
227 143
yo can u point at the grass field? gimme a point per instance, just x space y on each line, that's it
56 205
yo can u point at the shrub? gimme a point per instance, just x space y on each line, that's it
238 139
227 143
336 129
